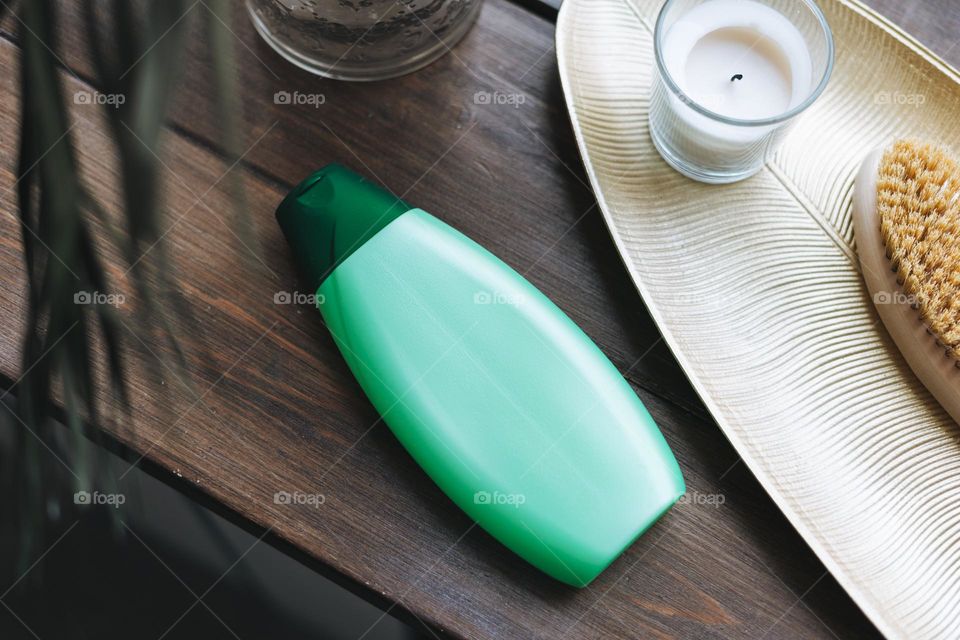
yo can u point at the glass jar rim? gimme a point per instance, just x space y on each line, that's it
713 115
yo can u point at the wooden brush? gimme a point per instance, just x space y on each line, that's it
906 217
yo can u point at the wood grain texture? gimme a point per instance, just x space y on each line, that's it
282 413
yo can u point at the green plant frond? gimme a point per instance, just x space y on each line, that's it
136 50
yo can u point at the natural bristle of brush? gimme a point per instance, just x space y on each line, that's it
918 203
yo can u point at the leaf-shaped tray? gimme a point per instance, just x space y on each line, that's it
755 286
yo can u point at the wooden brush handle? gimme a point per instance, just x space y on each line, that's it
936 370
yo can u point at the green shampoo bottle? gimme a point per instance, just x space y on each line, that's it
506 404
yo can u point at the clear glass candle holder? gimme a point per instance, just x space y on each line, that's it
362 39
731 76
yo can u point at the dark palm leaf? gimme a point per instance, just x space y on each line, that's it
136 49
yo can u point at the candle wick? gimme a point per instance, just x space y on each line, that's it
738 76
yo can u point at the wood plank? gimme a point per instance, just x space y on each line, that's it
286 415
484 145
935 23
510 178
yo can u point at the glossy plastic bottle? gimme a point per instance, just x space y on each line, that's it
505 403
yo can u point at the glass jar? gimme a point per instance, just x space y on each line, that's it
362 39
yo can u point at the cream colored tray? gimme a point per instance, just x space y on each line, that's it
755 287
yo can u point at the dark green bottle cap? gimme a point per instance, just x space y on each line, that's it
330 215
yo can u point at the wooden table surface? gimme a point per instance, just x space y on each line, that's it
266 404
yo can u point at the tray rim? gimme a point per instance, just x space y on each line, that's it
860 597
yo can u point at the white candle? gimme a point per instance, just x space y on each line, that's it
740 59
